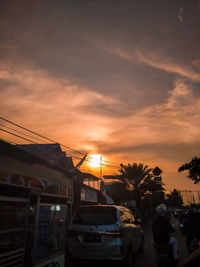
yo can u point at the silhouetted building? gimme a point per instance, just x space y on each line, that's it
35 204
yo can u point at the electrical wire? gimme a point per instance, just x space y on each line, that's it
26 139
173 173
18 136
102 164
117 165
19 132
5 140
39 135
105 160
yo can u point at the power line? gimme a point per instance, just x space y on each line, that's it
64 151
19 132
26 139
117 165
102 164
5 140
111 162
39 135
29 140
181 173
95 162
18 136
183 190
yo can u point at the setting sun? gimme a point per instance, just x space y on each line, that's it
95 160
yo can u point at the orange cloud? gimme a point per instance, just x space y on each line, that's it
152 59
160 134
163 134
53 107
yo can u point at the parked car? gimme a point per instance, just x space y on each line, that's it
104 232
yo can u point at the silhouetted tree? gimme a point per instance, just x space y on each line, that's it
158 198
193 168
119 192
174 199
140 179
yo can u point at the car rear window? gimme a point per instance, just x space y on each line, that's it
96 216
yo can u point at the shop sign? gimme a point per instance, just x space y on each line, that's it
34 170
15 177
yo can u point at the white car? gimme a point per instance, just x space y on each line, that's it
104 232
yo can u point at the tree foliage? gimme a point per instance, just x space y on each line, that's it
158 198
119 192
193 168
174 199
140 179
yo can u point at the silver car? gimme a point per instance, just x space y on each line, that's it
104 232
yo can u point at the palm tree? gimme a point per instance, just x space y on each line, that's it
139 178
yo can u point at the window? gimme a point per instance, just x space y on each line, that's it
95 216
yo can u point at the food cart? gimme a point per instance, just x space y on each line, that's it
35 205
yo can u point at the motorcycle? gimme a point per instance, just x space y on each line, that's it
164 255
195 244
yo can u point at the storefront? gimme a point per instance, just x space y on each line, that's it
35 206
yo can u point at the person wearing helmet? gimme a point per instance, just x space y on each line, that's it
162 229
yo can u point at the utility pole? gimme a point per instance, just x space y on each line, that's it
101 167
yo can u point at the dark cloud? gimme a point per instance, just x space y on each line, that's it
109 110
4 84
60 38
120 76
169 151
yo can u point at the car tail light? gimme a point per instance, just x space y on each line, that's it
72 232
199 243
114 233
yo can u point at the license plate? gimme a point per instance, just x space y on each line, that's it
92 238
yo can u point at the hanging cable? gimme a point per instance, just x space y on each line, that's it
18 136
39 135
29 140
19 132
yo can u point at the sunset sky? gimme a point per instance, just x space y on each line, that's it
119 78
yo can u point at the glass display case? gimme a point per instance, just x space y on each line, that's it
12 232
51 230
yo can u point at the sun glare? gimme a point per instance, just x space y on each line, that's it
95 160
